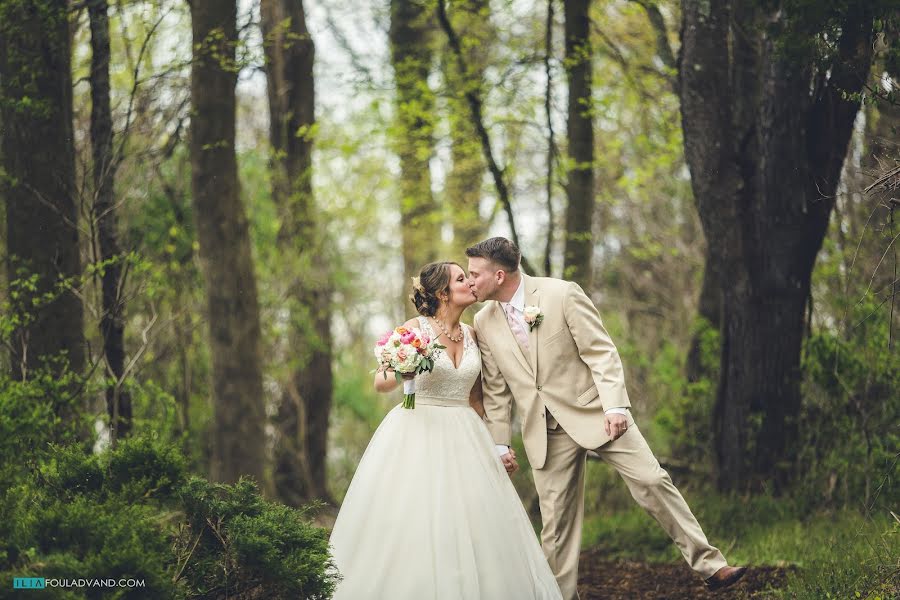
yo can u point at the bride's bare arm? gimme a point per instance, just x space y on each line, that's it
384 385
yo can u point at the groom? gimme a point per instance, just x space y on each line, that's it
544 347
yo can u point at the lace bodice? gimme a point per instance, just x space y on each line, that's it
444 382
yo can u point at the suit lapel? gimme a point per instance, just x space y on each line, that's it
509 338
532 298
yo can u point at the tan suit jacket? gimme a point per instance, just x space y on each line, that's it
572 368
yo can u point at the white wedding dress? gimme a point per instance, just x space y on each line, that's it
431 513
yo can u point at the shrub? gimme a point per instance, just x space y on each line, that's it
133 512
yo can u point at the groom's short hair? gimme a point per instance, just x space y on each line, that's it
498 250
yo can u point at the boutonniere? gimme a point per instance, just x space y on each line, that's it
533 316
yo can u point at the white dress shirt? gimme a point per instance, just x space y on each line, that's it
518 303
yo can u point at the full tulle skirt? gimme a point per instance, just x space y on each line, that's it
431 514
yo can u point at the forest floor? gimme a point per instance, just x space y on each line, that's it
601 579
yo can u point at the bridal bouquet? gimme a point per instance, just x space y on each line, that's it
406 350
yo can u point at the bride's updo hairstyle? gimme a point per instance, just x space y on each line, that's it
433 280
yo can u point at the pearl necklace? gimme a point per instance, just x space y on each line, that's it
440 325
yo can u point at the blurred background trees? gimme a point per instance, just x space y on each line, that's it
212 209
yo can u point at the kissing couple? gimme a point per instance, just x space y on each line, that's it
431 512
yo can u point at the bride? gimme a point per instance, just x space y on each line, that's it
431 512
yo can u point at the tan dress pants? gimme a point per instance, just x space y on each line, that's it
560 487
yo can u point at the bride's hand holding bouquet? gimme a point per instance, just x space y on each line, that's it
407 352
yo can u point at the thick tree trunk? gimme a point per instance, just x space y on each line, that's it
302 420
225 253
37 182
112 323
412 54
579 246
765 158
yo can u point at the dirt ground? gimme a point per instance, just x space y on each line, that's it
601 579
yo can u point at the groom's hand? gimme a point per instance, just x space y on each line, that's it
615 425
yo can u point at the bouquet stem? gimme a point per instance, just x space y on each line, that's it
409 393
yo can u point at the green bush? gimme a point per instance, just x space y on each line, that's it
849 436
236 544
133 512
29 420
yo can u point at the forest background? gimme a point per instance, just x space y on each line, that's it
212 209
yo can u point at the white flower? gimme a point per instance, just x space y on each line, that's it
533 316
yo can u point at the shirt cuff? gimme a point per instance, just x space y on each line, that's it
616 411
502 449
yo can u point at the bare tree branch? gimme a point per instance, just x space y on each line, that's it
475 105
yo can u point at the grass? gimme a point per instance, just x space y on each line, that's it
836 554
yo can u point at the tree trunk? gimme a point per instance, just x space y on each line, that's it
37 181
579 246
302 420
471 19
766 132
225 254
412 53
112 323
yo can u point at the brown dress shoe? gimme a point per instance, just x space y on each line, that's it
725 577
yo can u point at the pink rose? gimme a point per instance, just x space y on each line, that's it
407 338
384 339
401 355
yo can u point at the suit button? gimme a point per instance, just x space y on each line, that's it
539 388
543 415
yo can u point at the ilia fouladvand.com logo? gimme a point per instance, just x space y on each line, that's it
40 583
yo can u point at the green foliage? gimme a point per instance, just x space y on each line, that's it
684 419
81 515
133 513
847 559
28 421
831 554
811 29
166 330
138 470
852 406
680 411
30 35
260 547
356 412
629 534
